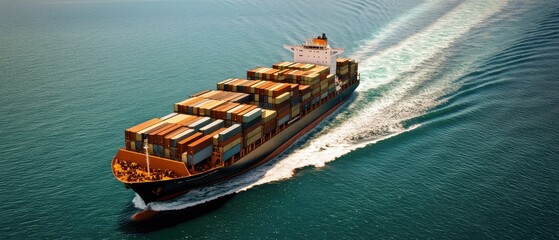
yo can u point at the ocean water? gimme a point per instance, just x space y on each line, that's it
453 132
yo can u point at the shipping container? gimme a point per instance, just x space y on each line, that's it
229 114
197 157
199 144
189 119
181 145
159 137
253 114
200 123
230 144
177 118
199 93
170 115
167 138
130 133
295 110
268 115
219 141
229 132
194 108
234 150
213 126
284 120
238 114
280 99
174 140
140 134
181 107
220 85
324 95
251 140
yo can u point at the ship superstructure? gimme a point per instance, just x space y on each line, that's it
316 51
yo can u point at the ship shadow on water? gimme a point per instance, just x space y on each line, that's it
168 218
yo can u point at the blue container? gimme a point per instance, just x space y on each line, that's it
181 136
229 132
200 123
158 150
251 123
284 120
236 149
199 156
212 127
139 146
243 99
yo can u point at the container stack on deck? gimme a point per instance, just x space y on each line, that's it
317 77
219 124
346 70
228 142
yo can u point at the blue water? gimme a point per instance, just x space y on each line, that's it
453 132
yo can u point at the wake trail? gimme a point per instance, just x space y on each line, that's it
396 85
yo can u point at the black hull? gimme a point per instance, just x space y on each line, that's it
163 190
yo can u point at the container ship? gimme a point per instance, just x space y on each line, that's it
217 134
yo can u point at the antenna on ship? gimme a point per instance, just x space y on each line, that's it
147 155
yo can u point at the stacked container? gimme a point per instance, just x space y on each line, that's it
226 96
265 94
353 66
200 149
269 121
293 66
342 68
220 123
228 142
171 141
283 65
346 70
263 73
130 133
156 139
305 96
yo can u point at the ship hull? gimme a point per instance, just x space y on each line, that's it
167 189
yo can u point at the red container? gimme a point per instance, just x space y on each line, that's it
202 143
152 134
269 126
160 137
235 114
181 146
199 144
231 139
167 138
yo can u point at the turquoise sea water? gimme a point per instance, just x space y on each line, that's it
453 132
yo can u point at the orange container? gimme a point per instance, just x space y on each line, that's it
167 138
160 136
130 133
199 93
152 135
181 146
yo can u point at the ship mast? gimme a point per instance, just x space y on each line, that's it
147 155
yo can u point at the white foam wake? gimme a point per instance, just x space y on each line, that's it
387 65
395 87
